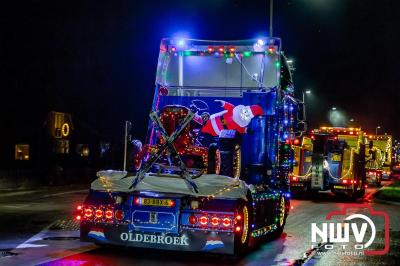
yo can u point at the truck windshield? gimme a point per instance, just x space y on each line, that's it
205 64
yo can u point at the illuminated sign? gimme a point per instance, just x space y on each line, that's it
65 130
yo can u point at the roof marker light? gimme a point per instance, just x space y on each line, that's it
260 42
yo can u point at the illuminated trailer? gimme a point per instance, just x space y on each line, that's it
213 174
378 158
337 163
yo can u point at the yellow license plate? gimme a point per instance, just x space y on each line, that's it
340 187
157 202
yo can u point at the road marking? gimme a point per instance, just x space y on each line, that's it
64 193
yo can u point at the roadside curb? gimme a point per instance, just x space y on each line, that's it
386 201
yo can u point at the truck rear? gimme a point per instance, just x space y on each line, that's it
213 173
337 163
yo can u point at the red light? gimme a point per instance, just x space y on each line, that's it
192 219
221 49
294 178
172 203
366 186
137 201
313 137
287 141
355 182
173 49
344 181
210 49
119 214
238 229
78 217
215 221
271 49
79 207
109 214
238 217
226 222
99 214
232 49
88 213
296 141
203 220
351 132
291 207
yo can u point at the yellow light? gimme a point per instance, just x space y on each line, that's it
65 130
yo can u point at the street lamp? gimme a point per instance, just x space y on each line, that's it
351 120
333 108
376 130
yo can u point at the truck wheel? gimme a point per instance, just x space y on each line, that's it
214 159
242 237
230 162
282 215
134 160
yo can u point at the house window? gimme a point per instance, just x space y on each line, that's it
61 146
83 150
22 152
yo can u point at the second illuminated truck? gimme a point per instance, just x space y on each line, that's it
333 160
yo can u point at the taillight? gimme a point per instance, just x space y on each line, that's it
79 207
215 221
119 215
344 181
99 213
226 222
88 213
238 228
203 220
238 217
78 217
192 219
108 214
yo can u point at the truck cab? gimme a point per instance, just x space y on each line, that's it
213 172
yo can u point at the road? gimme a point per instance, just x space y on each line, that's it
36 229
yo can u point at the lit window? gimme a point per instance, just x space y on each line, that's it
61 146
82 150
22 152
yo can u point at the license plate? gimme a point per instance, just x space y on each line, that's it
157 202
340 187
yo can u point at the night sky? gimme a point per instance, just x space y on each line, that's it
97 59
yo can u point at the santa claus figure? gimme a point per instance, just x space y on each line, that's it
232 118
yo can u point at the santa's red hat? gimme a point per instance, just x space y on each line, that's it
256 110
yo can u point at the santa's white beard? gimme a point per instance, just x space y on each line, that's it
242 115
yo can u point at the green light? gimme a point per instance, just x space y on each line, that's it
247 54
278 64
187 53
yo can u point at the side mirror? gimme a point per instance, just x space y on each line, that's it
300 128
301 112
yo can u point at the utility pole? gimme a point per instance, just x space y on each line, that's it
271 14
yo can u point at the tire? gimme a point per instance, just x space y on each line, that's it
282 215
134 151
241 239
214 160
230 162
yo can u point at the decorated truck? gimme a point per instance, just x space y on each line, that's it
378 158
212 175
337 164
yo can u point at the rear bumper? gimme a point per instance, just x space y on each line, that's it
186 240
